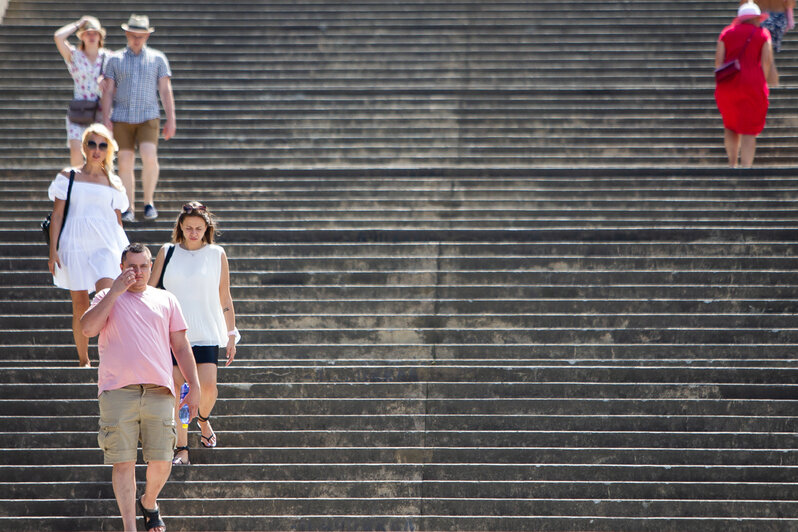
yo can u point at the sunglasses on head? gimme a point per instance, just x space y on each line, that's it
188 207
93 145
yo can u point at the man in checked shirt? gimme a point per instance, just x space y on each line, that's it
133 79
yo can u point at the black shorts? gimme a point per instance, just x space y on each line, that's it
203 354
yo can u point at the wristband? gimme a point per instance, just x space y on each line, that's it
234 332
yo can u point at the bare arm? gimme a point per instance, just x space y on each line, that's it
168 100
157 265
188 367
228 311
769 65
60 38
108 87
56 221
94 319
720 53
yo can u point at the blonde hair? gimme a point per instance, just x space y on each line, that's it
113 147
195 208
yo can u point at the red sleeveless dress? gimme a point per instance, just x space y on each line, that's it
743 100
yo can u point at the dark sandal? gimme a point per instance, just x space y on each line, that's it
210 439
152 518
179 461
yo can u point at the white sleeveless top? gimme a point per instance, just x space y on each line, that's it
193 277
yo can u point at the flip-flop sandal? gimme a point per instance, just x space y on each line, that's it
178 460
210 439
152 518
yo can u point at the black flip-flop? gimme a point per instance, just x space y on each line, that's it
179 461
152 518
212 438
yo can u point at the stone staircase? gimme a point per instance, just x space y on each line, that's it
489 270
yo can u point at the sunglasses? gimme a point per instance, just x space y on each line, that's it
93 145
188 207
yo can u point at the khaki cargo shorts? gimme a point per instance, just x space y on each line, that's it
129 136
140 412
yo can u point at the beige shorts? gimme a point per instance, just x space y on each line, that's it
129 136
140 412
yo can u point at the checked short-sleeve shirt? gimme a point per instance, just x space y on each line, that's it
136 78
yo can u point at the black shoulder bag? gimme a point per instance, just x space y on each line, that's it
166 260
45 225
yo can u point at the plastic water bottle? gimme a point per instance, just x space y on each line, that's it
184 409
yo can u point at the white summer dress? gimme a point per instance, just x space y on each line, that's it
193 277
92 240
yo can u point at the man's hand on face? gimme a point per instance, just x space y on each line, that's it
125 280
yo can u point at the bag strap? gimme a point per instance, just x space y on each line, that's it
742 50
66 207
166 260
102 65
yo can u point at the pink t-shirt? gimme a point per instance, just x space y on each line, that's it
134 343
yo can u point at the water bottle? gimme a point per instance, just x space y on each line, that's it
184 409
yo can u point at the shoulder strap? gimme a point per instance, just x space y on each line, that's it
166 260
751 36
66 206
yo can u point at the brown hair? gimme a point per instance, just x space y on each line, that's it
136 247
92 24
195 208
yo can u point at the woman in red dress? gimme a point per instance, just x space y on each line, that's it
743 98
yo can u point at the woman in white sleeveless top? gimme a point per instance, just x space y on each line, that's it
198 274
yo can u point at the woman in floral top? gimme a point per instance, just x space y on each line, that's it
85 65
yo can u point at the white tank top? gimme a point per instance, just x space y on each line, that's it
193 277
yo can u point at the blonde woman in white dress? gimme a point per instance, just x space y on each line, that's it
87 255
198 274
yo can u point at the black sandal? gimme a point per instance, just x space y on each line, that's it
212 438
179 461
152 518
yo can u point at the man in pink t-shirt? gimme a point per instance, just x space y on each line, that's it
137 325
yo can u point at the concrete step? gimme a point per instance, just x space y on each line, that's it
410 488
234 423
432 341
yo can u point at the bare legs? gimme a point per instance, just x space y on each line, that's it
75 153
123 478
742 146
747 150
150 170
126 160
80 304
182 433
207 377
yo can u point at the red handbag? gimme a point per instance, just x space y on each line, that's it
727 70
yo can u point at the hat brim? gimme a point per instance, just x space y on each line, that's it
137 30
743 18
81 31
